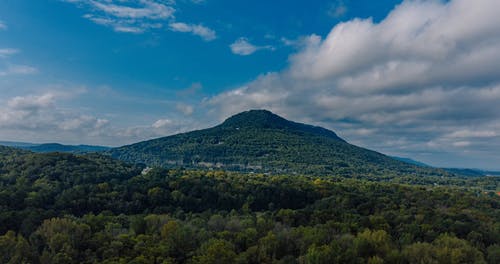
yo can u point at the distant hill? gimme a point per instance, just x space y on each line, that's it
16 144
472 172
54 147
259 140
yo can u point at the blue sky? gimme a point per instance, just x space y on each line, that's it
411 78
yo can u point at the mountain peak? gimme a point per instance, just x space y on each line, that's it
255 118
258 140
264 119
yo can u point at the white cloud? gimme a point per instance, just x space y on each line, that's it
185 109
3 26
82 121
147 9
205 33
427 70
62 114
124 26
7 52
13 69
461 144
127 29
31 117
127 16
159 128
473 134
243 47
18 70
428 36
161 123
140 16
31 102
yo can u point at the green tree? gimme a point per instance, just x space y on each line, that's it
215 251
420 253
452 250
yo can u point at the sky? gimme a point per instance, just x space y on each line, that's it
415 78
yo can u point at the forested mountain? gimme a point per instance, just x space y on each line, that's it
261 141
66 208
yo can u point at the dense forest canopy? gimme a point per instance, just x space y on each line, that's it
65 208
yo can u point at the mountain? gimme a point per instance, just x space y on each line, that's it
258 140
54 147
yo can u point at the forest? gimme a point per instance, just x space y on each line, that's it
66 208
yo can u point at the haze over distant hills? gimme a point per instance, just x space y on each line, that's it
258 140
54 147
470 172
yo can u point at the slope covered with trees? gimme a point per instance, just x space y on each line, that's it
64 208
261 141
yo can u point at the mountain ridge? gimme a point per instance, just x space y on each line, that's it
54 147
258 140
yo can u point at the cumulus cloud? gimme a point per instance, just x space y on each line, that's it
410 82
33 116
203 32
243 47
31 102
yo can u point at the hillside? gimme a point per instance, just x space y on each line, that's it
261 141
51 180
66 208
